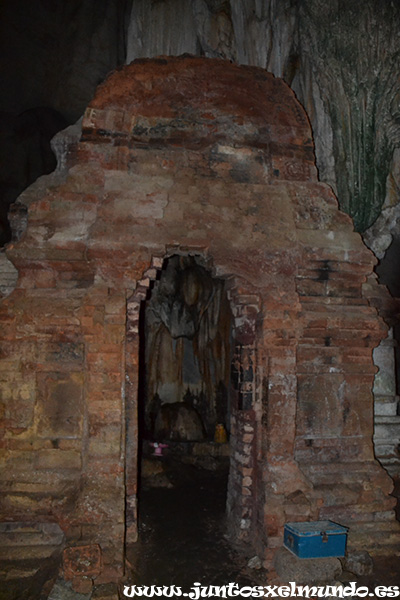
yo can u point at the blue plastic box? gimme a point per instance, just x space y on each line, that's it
315 539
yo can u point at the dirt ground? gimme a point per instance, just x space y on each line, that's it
182 532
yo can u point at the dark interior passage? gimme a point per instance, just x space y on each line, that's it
182 531
184 416
185 360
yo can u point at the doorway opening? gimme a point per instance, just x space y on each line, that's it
192 399
185 332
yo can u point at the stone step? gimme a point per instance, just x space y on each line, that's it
387 449
380 538
16 573
385 527
388 420
14 534
27 549
386 406
386 432
27 553
350 473
376 542
358 513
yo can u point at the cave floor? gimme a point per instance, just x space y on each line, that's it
182 536
182 532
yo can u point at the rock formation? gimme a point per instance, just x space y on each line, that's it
341 59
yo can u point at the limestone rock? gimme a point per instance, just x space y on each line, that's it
8 276
306 570
255 563
178 421
63 590
360 563
63 49
63 141
25 155
188 322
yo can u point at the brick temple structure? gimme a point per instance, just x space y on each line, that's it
214 163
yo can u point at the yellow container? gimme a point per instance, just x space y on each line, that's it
220 436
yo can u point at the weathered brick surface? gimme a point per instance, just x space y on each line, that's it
201 157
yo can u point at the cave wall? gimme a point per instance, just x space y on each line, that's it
54 54
194 157
340 58
57 52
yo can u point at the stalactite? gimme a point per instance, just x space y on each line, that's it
188 324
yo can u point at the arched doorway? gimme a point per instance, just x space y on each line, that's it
191 373
184 375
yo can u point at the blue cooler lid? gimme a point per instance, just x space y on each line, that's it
311 528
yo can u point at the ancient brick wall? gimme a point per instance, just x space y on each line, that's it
200 157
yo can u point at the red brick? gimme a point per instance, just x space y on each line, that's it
82 562
298 281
